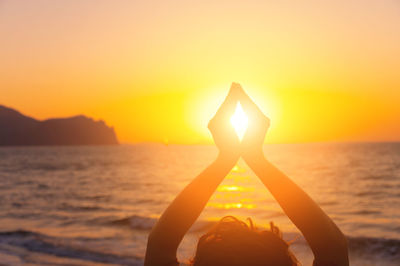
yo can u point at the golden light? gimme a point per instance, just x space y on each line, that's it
230 188
234 205
239 121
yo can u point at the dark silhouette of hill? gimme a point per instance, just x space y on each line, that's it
18 129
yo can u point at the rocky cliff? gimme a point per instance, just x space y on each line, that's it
18 129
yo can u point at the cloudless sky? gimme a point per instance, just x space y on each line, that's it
157 70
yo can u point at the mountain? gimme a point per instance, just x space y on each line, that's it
18 129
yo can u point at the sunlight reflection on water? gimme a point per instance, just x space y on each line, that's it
106 199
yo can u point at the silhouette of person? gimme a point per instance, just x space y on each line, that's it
233 242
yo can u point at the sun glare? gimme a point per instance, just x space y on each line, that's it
239 121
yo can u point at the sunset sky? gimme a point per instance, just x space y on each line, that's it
157 70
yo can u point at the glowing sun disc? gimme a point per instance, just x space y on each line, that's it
239 121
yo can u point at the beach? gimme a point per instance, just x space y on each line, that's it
83 205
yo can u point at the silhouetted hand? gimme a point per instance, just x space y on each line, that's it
258 125
223 133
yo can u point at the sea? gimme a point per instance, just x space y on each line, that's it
84 205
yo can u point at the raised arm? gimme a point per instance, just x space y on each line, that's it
176 220
324 237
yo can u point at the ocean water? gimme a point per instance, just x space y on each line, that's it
96 205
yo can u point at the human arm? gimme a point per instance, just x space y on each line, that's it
176 220
325 239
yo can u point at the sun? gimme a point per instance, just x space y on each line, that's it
239 121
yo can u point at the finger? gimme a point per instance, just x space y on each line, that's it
232 98
235 88
228 106
255 115
248 104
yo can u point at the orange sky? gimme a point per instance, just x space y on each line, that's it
157 70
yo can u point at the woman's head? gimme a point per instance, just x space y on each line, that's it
233 242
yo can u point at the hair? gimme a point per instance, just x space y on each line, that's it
233 242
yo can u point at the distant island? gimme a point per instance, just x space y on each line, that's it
17 129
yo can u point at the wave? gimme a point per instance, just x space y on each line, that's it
146 223
366 245
363 244
380 177
369 245
136 222
386 248
60 247
46 166
66 206
12 241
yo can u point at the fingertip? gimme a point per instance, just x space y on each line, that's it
235 85
236 88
